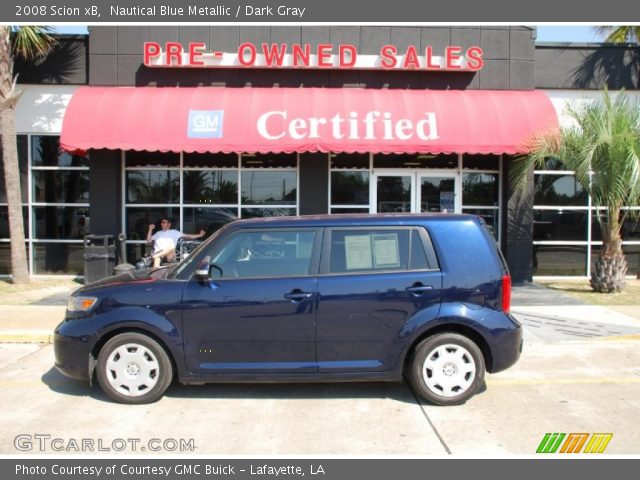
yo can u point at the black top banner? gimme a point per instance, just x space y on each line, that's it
312 11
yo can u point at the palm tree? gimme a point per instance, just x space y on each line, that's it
29 42
603 148
619 33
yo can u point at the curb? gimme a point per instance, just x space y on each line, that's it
21 336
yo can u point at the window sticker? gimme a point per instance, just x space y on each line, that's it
357 252
385 250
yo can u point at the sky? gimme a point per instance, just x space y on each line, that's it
546 33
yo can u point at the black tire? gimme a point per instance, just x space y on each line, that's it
144 377
456 379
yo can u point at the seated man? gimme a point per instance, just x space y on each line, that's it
165 241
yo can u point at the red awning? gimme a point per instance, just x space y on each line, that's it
209 119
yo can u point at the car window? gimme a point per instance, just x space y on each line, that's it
265 253
419 259
369 250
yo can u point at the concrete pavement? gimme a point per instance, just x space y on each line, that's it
587 386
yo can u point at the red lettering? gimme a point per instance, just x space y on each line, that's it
475 61
324 55
452 56
388 54
151 50
251 49
301 57
274 52
428 54
347 51
174 52
411 58
195 53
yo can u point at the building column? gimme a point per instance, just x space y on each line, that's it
105 179
314 183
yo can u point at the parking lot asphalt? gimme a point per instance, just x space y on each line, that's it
590 385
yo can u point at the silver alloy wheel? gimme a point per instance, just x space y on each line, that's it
132 369
449 370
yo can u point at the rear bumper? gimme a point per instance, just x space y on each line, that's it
506 345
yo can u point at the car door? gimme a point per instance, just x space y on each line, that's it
256 314
375 283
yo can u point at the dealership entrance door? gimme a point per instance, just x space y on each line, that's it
416 191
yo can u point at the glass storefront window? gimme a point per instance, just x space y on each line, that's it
269 160
350 161
4 221
350 188
210 187
139 219
343 211
490 217
153 186
61 186
60 223
5 257
481 162
570 225
559 260
46 152
267 212
210 160
394 193
152 159
480 189
261 187
630 230
415 161
208 218
23 165
58 258
560 190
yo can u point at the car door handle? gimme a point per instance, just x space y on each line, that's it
298 295
418 289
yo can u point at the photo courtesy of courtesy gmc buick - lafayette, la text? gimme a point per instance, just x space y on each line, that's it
424 297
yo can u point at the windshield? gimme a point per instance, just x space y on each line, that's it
194 256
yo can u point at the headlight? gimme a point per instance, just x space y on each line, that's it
81 304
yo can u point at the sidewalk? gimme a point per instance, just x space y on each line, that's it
560 316
29 323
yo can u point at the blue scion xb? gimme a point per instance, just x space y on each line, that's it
319 298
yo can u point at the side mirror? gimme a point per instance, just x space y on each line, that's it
202 272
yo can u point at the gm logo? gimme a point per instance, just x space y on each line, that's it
205 123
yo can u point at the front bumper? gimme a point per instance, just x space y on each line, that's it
72 353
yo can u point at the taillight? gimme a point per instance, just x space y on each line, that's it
506 293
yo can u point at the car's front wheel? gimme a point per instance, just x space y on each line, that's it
134 368
446 369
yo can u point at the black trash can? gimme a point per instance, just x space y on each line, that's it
99 257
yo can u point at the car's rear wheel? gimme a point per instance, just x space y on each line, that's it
134 368
446 369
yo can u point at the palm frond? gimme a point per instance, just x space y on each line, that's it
32 41
619 33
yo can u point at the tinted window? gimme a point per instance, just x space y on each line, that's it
418 255
266 253
369 250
